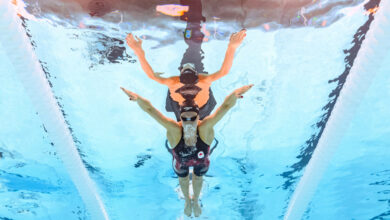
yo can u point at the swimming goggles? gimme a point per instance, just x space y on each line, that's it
188 119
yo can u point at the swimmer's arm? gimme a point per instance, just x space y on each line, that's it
136 45
211 120
229 102
234 42
145 105
157 115
226 65
149 71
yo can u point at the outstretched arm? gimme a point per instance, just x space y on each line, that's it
229 102
136 46
235 41
148 108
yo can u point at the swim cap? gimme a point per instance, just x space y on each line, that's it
189 108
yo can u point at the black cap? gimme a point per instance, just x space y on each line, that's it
189 108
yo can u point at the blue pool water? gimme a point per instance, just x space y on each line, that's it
265 141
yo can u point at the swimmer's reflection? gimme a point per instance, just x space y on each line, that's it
190 85
190 141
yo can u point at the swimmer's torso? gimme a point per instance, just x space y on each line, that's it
191 155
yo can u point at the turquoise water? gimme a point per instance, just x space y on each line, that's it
265 141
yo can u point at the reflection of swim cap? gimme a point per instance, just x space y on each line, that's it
188 74
187 66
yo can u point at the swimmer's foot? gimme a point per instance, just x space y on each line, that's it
188 208
197 209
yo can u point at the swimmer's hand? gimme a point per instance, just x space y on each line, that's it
237 38
134 44
240 91
132 95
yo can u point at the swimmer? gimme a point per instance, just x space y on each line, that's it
190 85
190 141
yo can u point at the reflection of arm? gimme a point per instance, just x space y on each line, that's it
226 65
158 116
149 71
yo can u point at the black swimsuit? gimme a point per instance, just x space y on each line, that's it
196 156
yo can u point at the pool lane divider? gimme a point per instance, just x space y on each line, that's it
368 61
19 50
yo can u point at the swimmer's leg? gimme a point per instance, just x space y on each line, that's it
184 184
197 182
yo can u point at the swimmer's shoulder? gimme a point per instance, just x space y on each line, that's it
206 132
204 78
174 134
